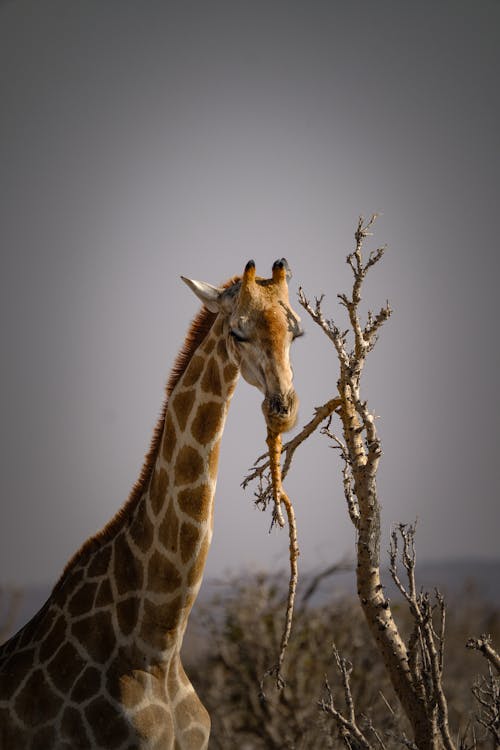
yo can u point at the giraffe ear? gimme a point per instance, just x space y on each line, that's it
209 295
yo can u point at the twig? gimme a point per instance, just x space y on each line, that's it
280 496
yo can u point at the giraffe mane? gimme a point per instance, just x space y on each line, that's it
197 332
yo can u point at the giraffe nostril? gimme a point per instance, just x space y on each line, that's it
280 410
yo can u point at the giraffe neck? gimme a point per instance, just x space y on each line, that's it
177 508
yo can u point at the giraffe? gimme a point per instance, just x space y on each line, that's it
99 665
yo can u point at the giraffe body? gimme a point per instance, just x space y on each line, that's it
99 665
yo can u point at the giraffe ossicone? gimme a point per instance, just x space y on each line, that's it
99 665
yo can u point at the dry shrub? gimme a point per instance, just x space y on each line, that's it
241 630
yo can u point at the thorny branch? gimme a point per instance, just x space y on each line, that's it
279 497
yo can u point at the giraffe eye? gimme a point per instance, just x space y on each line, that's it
237 336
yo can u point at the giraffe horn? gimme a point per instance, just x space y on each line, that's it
248 278
281 271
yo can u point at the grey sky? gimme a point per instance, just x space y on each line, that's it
142 141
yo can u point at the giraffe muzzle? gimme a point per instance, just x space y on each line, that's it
280 410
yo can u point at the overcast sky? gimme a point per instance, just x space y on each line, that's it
144 140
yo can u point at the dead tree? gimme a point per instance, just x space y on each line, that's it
415 666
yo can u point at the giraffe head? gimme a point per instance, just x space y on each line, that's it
259 326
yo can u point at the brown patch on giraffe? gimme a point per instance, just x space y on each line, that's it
169 528
14 670
182 403
82 600
109 726
96 634
72 726
104 594
196 570
211 382
189 538
127 613
221 349
65 667
207 422
141 531
213 461
99 564
87 685
127 568
158 490
209 346
10 734
53 640
230 372
155 717
195 501
160 622
188 466
163 576
43 739
193 372
190 710
168 438
36 703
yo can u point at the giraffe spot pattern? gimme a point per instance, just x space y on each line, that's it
190 710
96 634
47 704
163 576
194 502
127 613
159 621
153 716
107 724
43 739
230 372
65 667
188 541
53 640
10 734
141 531
169 529
99 564
193 372
127 568
87 685
168 438
188 466
207 422
158 490
211 381
118 675
14 671
82 600
72 727
182 403
104 595
222 350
